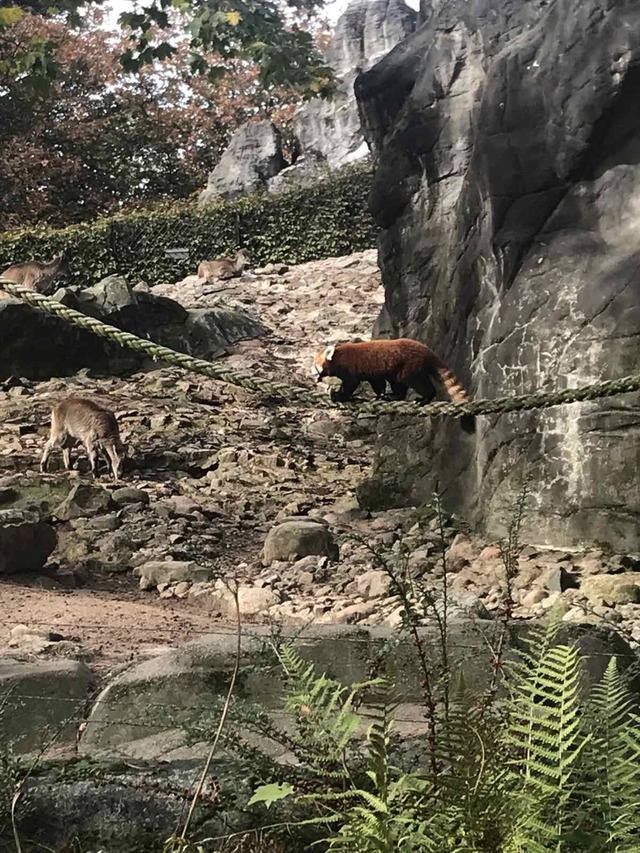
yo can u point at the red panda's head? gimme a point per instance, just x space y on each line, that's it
322 363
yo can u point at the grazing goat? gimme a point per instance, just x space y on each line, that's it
92 425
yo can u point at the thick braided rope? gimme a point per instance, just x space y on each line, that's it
157 351
297 393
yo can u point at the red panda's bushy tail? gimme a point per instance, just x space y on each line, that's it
456 393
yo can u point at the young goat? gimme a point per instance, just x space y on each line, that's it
224 268
36 275
92 425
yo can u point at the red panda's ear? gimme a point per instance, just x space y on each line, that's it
328 353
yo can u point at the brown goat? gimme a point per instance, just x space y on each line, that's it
36 275
224 268
92 425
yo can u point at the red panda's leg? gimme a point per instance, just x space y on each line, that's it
379 386
344 394
398 389
423 386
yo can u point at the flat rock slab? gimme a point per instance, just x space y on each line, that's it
84 500
171 571
40 701
177 689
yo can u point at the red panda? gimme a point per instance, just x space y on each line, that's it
403 363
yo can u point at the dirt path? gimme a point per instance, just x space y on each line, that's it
112 626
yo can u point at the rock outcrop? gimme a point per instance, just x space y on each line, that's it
328 132
191 679
38 346
254 155
507 184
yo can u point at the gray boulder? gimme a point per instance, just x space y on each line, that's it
373 584
26 541
39 346
298 538
506 186
254 155
40 699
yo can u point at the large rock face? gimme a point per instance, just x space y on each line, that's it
328 132
507 135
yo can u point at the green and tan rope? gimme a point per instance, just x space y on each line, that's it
300 394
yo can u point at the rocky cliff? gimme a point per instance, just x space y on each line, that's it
507 144
328 132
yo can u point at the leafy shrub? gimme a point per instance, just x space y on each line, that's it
330 217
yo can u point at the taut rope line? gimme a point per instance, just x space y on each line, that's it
300 394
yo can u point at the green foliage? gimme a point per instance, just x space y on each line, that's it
613 758
11 775
94 140
269 794
331 217
323 711
271 34
260 31
553 769
33 63
548 737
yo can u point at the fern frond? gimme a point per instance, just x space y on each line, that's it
612 789
546 735
323 710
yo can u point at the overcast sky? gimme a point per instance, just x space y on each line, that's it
333 9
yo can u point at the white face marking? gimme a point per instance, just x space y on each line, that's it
315 369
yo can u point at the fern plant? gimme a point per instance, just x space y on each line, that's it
611 787
551 770
323 712
547 734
